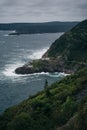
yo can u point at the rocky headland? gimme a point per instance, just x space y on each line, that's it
66 54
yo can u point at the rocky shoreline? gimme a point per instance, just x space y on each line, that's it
45 65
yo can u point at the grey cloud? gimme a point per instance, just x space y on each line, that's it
8 3
42 10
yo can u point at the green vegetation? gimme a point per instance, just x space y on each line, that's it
71 48
52 108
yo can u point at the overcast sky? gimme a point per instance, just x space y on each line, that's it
42 10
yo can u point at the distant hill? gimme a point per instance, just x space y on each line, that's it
30 28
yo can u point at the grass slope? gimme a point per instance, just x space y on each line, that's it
52 108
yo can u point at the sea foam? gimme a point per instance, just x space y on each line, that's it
37 54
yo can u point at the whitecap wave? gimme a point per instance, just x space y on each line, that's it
37 54
9 69
57 74
63 73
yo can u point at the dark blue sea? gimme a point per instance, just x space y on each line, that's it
14 52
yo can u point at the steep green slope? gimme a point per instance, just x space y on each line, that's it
72 46
79 120
51 108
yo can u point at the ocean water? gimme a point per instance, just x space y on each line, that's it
15 51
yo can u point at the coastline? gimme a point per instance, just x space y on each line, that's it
50 66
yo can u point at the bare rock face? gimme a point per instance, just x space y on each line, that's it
24 70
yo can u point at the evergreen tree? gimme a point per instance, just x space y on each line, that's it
46 84
47 91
